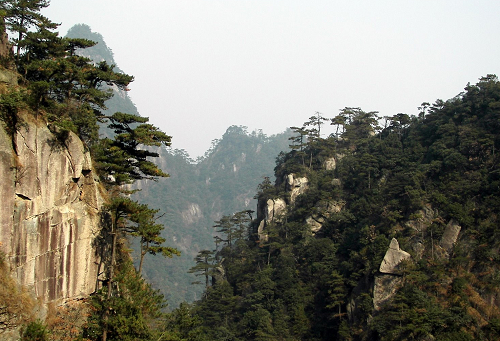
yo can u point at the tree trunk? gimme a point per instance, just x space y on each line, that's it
143 253
110 280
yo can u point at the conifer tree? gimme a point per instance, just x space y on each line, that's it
204 265
20 16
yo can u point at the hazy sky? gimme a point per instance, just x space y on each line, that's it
203 65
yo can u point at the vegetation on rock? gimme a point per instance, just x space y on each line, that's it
308 270
428 181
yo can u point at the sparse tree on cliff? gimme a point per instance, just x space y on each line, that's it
20 16
122 159
149 232
204 265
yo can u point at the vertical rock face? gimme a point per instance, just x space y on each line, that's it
49 213
388 282
392 258
450 235
296 186
274 209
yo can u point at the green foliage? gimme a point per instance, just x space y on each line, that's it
204 265
10 105
35 331
198 193
123 159
410 180
133 309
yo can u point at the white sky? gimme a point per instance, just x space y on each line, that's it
203 65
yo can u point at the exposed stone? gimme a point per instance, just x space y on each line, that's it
392 258
49 213
274 209
423 220
296 186
450 235
7 74
7 189
388 282
269 211
8 77
322 211
330 164
263 237
192 214
384 289
315 224
4 41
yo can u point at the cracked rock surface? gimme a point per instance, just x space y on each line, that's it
49 213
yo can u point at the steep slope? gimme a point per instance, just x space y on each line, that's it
381 236
50 205
196 193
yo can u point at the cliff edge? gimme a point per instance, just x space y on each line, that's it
49 213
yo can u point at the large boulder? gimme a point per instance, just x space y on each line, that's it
388 281
296 186
392 258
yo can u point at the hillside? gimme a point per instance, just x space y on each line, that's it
195 194
385 230
376 233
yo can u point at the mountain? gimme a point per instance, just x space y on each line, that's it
196 194
385 230
376 233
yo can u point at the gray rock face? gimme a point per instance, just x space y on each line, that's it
450 235
425 217
330 164
392 258
388 282
192 214
263 236
274 209
296 186
49 213
323 210
384 289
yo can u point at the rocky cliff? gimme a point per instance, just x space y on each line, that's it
49 211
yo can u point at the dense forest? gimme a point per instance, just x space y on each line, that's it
384 230
314 271
196 194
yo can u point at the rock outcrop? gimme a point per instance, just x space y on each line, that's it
450 235
49 212
296 186
322 211
272 211
330 163
388 281
392 258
